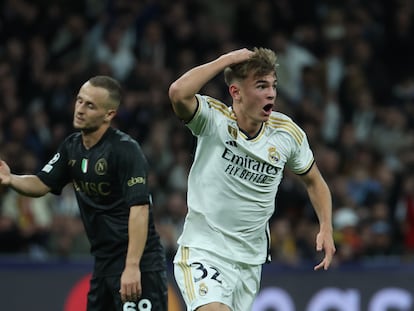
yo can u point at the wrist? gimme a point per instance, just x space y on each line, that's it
129 262
8 181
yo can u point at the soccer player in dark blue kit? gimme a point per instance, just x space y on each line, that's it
108 171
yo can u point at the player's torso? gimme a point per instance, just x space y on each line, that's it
248 168
93 172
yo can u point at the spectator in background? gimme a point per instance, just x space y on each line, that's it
347 237
112 52
67 236
29 218
405 215
293 60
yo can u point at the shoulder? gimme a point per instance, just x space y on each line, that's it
118 135
76 136
72 140
215 105
120 139
283 123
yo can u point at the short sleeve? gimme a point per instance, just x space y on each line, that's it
55 174
133 174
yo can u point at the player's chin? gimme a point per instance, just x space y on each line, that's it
265 117
76 125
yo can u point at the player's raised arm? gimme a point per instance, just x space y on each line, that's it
28 185
182 91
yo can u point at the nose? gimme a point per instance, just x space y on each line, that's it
79 107
272 93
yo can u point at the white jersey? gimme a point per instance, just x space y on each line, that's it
233 181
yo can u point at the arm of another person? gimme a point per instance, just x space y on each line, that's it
28 185
320 197
131 287
182 92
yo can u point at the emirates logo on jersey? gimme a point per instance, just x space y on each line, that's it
273 155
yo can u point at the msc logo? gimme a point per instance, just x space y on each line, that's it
101 167
136 180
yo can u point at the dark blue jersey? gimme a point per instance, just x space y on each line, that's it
108 179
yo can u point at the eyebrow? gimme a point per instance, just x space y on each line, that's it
266 82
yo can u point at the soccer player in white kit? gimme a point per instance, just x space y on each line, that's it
238 165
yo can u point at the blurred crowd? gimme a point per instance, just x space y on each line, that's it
345 75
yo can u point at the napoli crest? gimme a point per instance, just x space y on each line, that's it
101 167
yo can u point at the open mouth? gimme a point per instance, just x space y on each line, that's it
268 108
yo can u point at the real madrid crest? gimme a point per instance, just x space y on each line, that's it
273 155
203 289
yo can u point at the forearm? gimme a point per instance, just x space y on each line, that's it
137 232
321 200
193 80
320 197
28 185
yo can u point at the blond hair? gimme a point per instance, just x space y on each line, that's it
261 63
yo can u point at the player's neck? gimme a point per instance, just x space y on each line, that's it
91 138
250 129
246 125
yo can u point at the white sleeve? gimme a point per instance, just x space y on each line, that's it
301 159
203 120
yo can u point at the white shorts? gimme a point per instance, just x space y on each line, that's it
204 277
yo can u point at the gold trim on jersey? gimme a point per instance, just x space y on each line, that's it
197 112
232 131
221 107
189 286
257 137
287 125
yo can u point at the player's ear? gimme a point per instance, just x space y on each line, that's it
110 114
234 91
